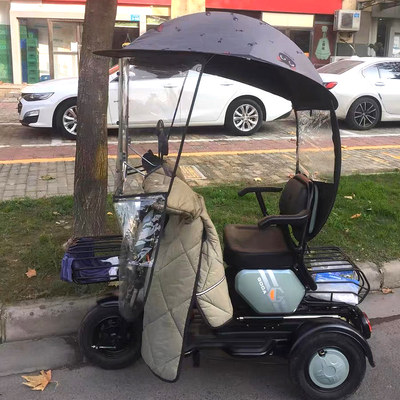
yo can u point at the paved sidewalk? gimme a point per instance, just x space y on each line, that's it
49 171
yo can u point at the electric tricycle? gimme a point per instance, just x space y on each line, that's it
268 292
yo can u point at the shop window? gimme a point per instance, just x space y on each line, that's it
5 54
396 45
34 41
66 43
301 37
153 21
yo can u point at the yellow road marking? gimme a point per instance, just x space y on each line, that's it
378 160
211 153
391 155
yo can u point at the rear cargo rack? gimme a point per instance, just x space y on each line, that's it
338 279
92 259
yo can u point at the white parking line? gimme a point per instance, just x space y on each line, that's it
56 142
344 132
360 135
48 144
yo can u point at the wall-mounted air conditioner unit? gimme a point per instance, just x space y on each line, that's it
347 20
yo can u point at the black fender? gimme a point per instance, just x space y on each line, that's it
341 328
108 301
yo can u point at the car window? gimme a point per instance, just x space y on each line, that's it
371 73
389 70
153 73
339 67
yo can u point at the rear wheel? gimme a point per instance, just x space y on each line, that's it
108 340
243 117
328 366
67 119
364 114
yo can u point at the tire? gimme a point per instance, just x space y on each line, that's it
243 117
66 119
364 114
328 350
104 326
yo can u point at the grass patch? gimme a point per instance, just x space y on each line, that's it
374 236
33 231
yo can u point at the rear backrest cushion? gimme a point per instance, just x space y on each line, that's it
294 197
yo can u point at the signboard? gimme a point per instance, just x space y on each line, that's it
290 6
323 47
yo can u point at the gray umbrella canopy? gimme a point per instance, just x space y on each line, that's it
236 47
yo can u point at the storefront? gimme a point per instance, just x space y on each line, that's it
44 38
386 21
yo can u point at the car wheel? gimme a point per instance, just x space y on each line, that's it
243 117
108 340
328 366
67 119
364 114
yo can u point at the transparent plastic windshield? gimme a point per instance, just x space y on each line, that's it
153 101
315 151
141 220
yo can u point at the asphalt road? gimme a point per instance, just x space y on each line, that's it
218 377
12 134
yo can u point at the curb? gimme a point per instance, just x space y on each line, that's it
62 316
43 318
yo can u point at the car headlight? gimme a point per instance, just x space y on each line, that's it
36 96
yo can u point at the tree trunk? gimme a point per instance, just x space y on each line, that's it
91 164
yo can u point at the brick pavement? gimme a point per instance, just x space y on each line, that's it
31 166
36 180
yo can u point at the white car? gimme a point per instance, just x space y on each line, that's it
241 108
367 89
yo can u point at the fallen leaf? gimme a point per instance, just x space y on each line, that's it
38 382
56 213
355 216
31 273
67 227
47 177
109 213
369 209
347 230
348 197
113 283
257 179
292 133
386 290
343 146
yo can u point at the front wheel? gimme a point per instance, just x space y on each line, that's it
108 340
364 114
243 117
328 366
67 119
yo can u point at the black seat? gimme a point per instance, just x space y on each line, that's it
247 246
269 244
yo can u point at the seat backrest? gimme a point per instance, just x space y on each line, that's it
296 196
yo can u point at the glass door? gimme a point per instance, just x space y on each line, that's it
65 43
